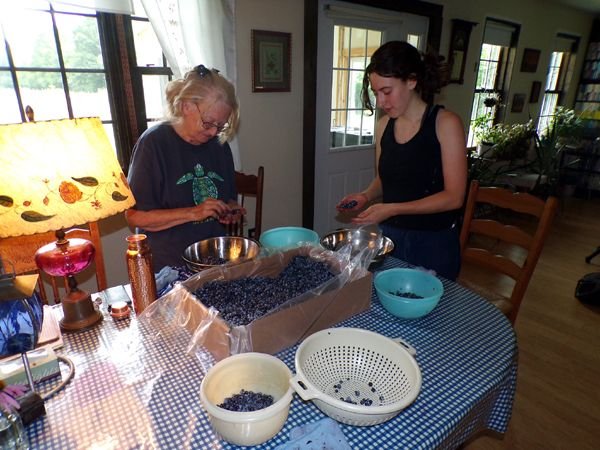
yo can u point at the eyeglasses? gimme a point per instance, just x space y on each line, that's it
208 125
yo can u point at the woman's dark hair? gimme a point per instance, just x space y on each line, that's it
399 59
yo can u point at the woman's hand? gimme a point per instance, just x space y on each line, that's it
162 219
374 214
211 207
234 214
352 202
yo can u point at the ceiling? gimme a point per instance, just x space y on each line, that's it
591 6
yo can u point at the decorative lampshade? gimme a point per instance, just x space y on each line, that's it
58 174
55 175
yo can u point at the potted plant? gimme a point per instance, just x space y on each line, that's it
506 142
488 170
564 129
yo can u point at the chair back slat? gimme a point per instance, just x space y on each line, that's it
506 233
529 234
250 185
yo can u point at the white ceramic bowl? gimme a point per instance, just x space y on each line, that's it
256 372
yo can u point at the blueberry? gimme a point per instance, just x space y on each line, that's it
211 260
243 300
405 294
246 401
349 205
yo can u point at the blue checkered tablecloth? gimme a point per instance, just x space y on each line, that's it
132 390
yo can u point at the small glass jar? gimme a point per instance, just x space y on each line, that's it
12 432
141 273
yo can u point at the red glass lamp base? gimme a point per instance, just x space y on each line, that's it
65 257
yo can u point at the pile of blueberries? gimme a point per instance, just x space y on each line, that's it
243 300
211 260
357 399
231 212
349 205
247 401
405 294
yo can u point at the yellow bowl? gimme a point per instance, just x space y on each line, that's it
256 372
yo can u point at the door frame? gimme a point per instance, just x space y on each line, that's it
429 10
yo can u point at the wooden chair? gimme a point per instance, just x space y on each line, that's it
502 236
249 185
19 252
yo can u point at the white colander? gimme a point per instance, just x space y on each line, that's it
359 366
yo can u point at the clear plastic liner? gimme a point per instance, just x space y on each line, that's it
212 339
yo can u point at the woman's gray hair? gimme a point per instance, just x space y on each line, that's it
198 86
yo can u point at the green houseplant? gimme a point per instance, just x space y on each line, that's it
506 142
502 149
564 129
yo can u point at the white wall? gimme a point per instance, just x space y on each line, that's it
113 230
271 123
540 20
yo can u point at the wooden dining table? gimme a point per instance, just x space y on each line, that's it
137 388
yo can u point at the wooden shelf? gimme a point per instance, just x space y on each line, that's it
589 110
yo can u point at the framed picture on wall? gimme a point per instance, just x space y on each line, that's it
459 44
271 61
530 60
518 103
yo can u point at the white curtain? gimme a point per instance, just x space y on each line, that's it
193 32
110 6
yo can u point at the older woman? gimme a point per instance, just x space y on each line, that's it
182 173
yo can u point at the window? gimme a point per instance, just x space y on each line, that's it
559 74
486 96
150 68
495 61
54 64
63 61
414 40
351 125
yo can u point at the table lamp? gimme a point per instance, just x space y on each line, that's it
55 175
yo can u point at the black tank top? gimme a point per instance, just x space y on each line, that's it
412 171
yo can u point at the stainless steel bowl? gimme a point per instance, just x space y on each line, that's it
359 239
220 250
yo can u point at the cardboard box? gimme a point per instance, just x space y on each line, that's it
283 328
